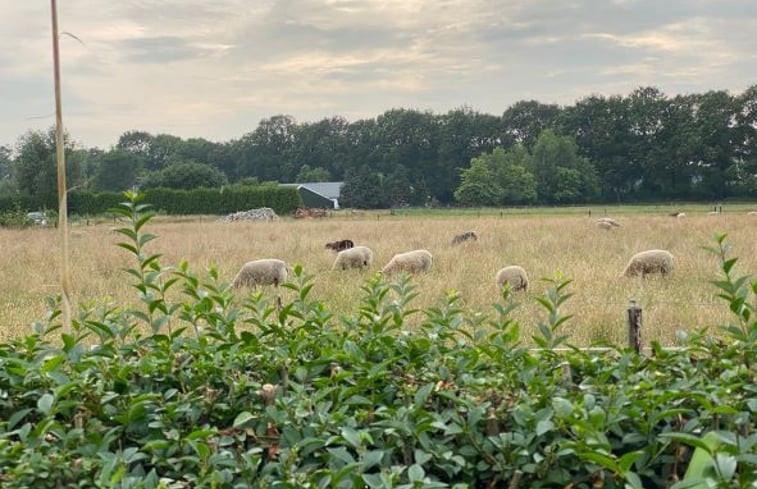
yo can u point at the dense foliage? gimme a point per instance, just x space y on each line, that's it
207 392
224 200
641 146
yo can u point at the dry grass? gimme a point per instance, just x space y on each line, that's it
544 246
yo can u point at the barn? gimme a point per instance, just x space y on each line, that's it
323 195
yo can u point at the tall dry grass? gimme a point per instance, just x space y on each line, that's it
569 245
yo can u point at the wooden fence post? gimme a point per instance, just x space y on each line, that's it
634 326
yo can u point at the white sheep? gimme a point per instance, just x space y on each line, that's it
357 257
269 271
608 220
515 276
415 261
752 213
604 225
650 261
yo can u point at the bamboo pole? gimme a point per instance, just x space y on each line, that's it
65 269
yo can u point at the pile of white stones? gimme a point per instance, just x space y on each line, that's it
261 214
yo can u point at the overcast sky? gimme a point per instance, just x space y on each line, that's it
213 69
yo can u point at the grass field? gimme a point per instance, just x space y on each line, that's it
544 242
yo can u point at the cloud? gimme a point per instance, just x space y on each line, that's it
214 69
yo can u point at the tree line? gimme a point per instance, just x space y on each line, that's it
621 148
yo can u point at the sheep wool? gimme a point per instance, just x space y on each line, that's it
416 261
650 261
465 236
609 220
357 257
515 276
604 225
269 271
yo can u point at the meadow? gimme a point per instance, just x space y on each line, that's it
547 244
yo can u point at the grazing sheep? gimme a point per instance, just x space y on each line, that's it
515 276
609 220
415 261
261 272
650 261
604 225
466 236
713 213
752 213
357 257
342 244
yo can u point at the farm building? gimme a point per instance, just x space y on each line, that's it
319 194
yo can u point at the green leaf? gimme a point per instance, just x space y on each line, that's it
351 436
562 407
422 395
633 480
627 460
544 426
373 481
45 403
16 417
243 418
416 473
371 458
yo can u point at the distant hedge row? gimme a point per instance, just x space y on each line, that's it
283 200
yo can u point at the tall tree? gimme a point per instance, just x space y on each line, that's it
525 120
562 176
7 185
266 152
323 144
363 189
185 175
600 127
308 174
646 106
498 178
117 171
743 173
478 186
155 151
35 167
463 134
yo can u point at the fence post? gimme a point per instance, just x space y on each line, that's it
634 326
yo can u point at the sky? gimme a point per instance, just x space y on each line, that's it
214 69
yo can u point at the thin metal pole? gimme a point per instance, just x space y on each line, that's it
65 271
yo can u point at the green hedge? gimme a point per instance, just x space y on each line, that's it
283 200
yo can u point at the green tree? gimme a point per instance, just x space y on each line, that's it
117 171
742 174
525 120
308 174
7 185
398 189
551 158
363 189
267 152
601 130
478 186
498 178
35 167
185 175
155 151
518 185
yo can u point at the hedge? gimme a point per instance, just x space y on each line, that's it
224 200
